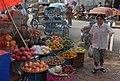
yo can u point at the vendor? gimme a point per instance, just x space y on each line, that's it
26 36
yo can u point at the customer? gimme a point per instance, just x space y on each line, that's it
99 33
69 15
24 12
82 9
26 36
100 5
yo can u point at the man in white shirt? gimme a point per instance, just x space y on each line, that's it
99 33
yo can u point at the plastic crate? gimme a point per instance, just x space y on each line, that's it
4 65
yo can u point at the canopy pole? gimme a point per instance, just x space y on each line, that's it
15 26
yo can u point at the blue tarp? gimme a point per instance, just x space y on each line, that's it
60 6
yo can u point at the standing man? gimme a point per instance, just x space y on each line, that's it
69 15
24 12
99 33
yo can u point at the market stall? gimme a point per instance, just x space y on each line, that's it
53 60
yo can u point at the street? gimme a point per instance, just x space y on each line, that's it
112 63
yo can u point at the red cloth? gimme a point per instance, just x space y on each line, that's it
8 3
51 77
2 52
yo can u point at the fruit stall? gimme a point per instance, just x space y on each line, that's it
56 59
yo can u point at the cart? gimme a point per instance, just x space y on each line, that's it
53 20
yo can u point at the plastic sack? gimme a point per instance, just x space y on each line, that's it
90 51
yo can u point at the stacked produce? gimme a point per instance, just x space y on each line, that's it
34 32
80 44
57 38
41 50
55 45
79 50
34 67
7 43
62 70
54 60
67 42
22 53
68 54
67 69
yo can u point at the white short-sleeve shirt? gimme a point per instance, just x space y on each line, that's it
100 35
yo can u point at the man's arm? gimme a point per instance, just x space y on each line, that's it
110 31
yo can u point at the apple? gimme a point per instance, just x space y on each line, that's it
29 69
31 49
25 53
15 51
37 64
23 68
23 58
27 49
30 64
26 64
34 67
41 69
22 49
41 66
13 55
33 70
20 53
37 69
28 56
17 57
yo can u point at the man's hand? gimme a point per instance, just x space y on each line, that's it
110 34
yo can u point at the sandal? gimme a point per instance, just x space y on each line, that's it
94 71
103 70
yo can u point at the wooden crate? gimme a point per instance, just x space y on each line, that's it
78 61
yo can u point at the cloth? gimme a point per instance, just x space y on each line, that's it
24 12
100 35
98 54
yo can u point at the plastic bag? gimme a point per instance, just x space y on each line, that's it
90 51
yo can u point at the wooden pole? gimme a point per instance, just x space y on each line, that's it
15 25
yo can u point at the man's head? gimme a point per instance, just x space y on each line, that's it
23 28
100 18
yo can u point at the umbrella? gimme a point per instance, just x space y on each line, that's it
102 10
5 4
8 3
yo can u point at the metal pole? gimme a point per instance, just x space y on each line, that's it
15 25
